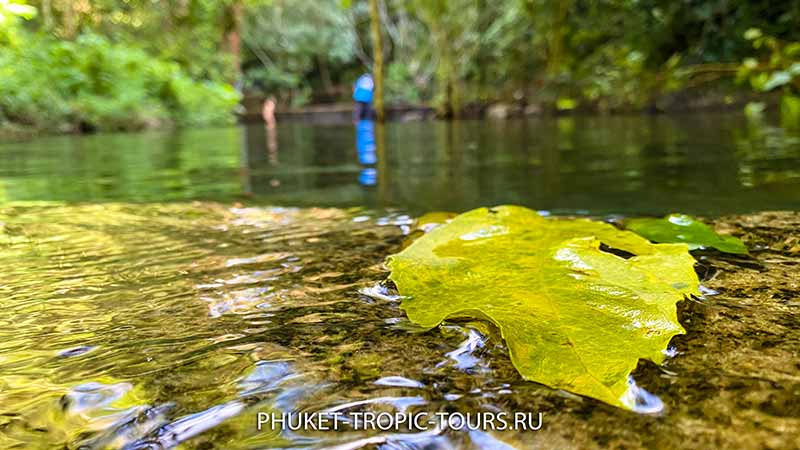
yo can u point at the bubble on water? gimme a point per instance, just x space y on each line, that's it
186 427
670 352
707 291
403 219
641 401
265 377
397 381
93 396
394 219
464 356
380 292
258 259
237 302
77 351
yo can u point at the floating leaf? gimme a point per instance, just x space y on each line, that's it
578 302
677 228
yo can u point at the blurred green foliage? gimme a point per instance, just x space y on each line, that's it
775 67
292 48
128 64
93 83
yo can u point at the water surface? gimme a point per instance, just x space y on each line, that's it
706 164
138 314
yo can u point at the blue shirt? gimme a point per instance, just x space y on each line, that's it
362 92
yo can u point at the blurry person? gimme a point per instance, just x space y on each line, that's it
362 94
268 111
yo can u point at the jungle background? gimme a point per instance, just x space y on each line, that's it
132 64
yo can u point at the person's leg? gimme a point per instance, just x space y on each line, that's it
360 111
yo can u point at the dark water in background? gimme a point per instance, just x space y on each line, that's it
705 164
132 318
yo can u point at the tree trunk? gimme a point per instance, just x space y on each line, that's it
377 50
448 81
556 38
325 75
453 91
69 19
47 14
233 37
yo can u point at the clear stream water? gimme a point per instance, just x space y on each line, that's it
707 164
159 290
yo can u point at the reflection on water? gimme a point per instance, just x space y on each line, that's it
367 156
153 326
706 164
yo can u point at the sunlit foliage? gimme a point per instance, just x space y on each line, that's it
598 55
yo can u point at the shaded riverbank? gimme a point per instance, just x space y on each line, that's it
683 102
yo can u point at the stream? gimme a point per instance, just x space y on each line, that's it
162 289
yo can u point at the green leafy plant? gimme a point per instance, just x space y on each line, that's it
92 81
776 69
578 302
685 229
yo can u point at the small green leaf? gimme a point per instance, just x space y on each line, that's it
686 229
566 104
575 315
752 33
777 79
790 111
750 63
754 110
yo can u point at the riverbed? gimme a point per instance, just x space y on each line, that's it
161 290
